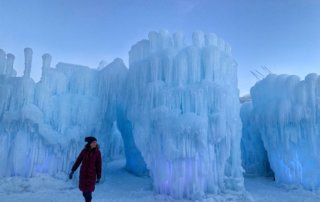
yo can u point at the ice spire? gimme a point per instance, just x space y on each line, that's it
10 60
46 60
28 61
198 39
2 62
178 40
211 39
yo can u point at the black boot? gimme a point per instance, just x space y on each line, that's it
87 196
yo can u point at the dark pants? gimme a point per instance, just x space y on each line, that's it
87 196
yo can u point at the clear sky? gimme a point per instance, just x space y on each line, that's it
283 35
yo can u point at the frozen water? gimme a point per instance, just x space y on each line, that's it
286 113
181 111
176 109
6 64
43 125
253 154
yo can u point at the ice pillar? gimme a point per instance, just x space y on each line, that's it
198 39
178 40
10 61
2 62
46 60
211 39
27 61
154 40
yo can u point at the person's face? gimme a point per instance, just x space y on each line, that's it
93 144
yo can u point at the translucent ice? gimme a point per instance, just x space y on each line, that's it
287 116
181 108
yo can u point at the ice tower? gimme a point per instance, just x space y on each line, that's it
183 107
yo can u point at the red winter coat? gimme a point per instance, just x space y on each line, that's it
90 169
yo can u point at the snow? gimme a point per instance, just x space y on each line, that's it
120 186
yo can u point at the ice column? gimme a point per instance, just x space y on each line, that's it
211 39
178 40
198 39
10 60
28 61
2 62
46 60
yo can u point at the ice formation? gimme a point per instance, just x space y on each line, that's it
286 113
6 64
181 108
176 109
42 125
253 154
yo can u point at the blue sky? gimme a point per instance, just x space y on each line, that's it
283 35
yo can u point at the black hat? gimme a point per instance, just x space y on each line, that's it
90 139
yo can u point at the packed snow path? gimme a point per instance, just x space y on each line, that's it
121 186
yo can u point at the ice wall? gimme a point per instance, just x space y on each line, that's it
182 105
287 112
43 125
111 80
253 154
16 94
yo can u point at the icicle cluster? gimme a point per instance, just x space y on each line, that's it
182 102
287 115
43 125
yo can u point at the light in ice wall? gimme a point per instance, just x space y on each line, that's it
182 102
287 113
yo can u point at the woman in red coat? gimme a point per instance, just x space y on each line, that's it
90 170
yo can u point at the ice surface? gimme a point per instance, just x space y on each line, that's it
253 154
2 62
176 109
28 62
181 110
287 115
43 125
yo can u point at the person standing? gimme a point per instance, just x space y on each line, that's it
90 170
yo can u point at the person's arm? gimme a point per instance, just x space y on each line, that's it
98 166
76 164
78 161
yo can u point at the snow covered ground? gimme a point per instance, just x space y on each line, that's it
119 185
